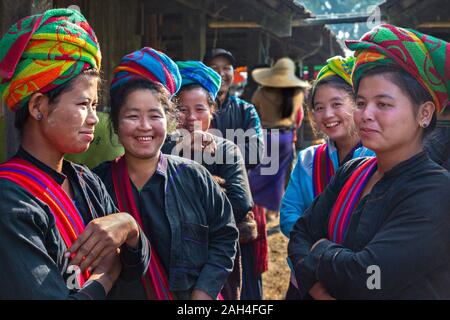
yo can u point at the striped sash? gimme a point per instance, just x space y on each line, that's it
42 186
347 200
323 169
155 281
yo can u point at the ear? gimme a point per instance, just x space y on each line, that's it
425 113
38 106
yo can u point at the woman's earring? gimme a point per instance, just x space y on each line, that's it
424 125
39 116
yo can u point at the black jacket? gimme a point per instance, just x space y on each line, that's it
402 226
437 144
238 121
227 163
32 263
203 235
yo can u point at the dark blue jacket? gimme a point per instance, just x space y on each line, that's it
203 235
228 164
402 227
235 114
437 144
32 263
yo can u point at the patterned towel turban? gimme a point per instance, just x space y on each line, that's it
149 64
339 66
195 72
43 51
424 57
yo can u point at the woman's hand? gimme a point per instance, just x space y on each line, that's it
102 237
198 141
318 292
108 270
221 182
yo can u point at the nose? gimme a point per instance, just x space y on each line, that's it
221 72
191 116
92 117
366 114
328 113
145 124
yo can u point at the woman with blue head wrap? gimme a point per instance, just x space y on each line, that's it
195 105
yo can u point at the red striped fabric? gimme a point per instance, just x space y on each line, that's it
347 200
42 186
155 281
323 169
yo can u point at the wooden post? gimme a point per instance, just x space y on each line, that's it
10 12
194 34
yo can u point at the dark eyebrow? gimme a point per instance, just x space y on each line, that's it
377 96
156 109
384 96
336 98
132 109
152 109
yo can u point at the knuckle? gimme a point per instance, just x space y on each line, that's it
83 251
92 255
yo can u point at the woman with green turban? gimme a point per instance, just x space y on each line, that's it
331 108
380 229
59 233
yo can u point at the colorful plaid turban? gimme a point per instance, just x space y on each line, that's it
424 57
198 73
43 51
149 64
339 66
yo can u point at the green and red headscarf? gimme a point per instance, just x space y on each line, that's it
424 57
338 66
43 51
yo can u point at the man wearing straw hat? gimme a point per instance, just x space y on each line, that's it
278 101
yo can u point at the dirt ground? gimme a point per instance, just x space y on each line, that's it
276 279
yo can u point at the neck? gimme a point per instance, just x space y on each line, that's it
389 159
222 96
344 146
140 170
40 148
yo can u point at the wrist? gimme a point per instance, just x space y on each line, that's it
104 279
133 233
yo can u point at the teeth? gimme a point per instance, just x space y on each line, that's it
332 124
144 138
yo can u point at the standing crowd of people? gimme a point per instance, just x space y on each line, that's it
181 214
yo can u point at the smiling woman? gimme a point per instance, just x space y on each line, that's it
49 203
331 107
176 201
392 209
